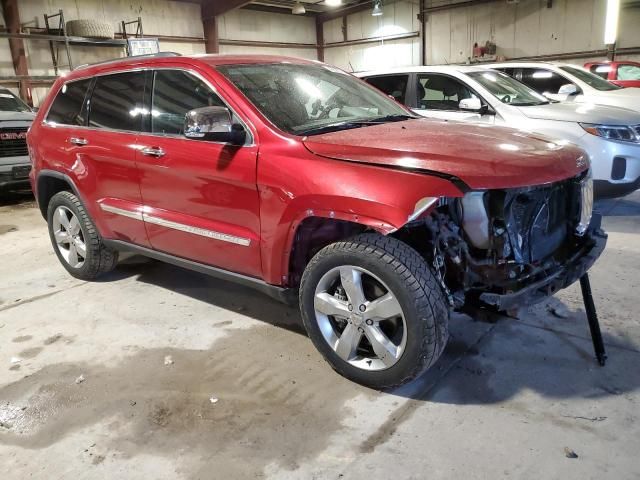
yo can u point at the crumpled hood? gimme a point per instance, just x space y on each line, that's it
482 156
17 116
582 112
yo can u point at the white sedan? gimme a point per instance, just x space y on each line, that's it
610 135
570 83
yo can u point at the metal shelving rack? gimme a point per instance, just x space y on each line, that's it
56 35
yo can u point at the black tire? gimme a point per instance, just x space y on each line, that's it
410 279
99 258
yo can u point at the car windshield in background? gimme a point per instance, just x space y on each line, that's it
628 72
312 99
590 79
10 103
507 89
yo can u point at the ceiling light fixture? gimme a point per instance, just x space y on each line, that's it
333 3
298 9
377 8
611 22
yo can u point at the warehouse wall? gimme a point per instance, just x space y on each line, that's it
267 27
399 18
525 29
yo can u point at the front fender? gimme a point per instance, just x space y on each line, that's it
379 198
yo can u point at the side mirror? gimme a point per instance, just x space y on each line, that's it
213 124
473 105
569 89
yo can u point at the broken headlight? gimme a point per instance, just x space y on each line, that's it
586 204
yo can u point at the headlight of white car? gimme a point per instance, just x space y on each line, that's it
622 133
586 204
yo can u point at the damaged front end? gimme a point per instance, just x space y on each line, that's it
504 249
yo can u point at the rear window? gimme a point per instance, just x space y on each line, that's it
117 101
67 108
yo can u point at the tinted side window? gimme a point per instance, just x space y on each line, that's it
440 92
67 108
543 81
394 85
175 93
117 101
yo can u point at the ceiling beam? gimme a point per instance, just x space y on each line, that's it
213 8
16 46
348 10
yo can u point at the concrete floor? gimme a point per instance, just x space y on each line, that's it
85 391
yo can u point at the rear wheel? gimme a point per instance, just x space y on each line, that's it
75 238
374 310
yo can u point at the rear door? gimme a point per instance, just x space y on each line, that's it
106 153
201 198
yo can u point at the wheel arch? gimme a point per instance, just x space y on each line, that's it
50 182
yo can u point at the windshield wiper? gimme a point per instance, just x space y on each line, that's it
529 104
332 127
347 124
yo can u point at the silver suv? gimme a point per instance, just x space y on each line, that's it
15 119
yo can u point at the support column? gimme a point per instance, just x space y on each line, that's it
320 39
16 45
209 10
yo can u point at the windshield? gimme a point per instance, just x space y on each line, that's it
10 103
508 90
311 99
590 79
628 72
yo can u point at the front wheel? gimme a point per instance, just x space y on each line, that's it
373 308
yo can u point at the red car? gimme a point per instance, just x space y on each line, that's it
624 74
304 182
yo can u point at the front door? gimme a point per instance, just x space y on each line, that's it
201 198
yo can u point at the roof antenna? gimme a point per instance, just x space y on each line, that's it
351 66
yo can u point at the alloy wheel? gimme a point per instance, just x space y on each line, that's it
69 237
360 318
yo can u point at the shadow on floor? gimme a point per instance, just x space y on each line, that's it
482 364
19 198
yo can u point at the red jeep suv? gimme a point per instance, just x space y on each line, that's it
304 182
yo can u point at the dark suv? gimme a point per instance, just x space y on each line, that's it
304 182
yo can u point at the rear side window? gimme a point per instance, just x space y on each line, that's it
393 85
117 101
68 106
175 93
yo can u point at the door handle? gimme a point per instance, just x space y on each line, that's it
78 141
153 152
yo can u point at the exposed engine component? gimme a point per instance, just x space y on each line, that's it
501 241
475 220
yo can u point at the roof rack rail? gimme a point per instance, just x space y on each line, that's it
134 57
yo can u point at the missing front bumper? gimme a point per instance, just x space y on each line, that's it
574 268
